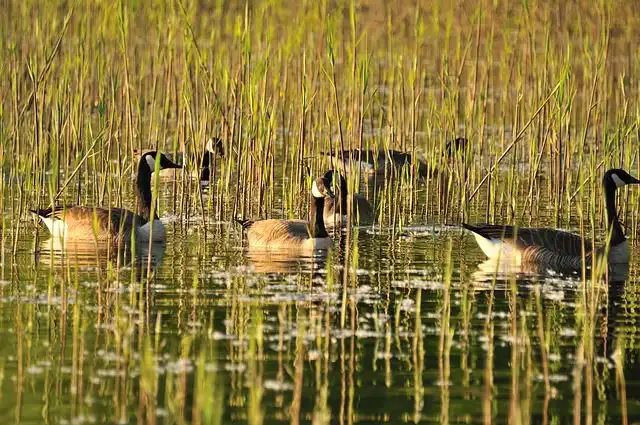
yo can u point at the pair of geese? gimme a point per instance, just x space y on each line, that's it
546 247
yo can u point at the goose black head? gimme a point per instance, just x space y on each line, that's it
617 177
335 179
459 144
149 159
322 188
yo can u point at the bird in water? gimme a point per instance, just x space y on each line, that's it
298 235
383 161
555 249
335 209
85 223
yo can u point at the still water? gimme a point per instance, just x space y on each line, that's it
388 327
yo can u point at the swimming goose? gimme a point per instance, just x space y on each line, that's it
555 249
213 147
80 223
335 209
373 162
293 234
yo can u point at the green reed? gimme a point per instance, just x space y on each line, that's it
249 100
546 100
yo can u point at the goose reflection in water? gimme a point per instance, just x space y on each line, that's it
283 261
95 255
492 269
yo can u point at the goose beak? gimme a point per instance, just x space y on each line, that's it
633 180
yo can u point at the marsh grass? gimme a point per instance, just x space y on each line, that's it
545 93
277 99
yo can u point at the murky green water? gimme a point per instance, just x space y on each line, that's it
387 328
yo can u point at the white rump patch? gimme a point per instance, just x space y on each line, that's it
145 232
497 249
315 191
151 162
617 180
57 228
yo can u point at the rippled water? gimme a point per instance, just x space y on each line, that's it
387 328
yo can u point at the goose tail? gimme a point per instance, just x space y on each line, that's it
490 243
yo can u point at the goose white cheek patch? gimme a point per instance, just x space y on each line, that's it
617 180
151 162
315 191
209 147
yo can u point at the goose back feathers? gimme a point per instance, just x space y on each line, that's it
82 223
293 234
381 161
556 249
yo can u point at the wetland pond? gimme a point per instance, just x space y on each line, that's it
407 329
401 321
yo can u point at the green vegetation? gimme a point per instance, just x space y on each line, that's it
392 326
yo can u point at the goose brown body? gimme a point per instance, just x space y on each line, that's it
283 234
361 209
383 161
293 234
335 209
87 223
213 148
556 249
83 223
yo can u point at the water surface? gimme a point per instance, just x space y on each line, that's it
388 327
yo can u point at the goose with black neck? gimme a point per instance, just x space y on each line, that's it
555 249
85 223
298 235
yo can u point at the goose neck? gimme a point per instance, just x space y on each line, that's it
614 228
205 166
143 191
316 219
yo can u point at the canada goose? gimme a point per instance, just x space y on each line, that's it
335 209
213 147
76 223
373 162
555 249
293 234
